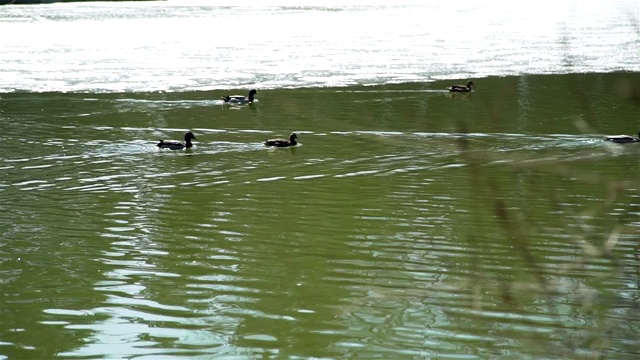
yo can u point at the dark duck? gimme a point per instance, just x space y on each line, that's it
461 88
239 99
282 142
623 139
176 145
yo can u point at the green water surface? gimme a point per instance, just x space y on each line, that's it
408 223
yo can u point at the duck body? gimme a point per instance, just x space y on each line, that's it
239 99
461 88
623 139
282 142
176 145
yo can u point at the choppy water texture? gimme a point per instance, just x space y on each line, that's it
181 45
408 223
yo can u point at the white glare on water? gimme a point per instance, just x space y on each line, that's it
194 45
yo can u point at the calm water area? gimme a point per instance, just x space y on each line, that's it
409 222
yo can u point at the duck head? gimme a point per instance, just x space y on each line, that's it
188 136
252 93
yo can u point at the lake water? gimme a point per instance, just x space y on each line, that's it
408 223
193 45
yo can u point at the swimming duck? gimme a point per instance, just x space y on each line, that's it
282 142
461 88
239 99
623 139
176 145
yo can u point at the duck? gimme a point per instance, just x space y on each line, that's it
176 145
239 99
461 88
623 139
282 142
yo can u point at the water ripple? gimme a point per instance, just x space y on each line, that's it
592 39
387 233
